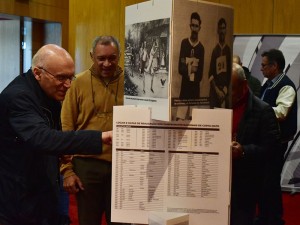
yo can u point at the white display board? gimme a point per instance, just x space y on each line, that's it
180 167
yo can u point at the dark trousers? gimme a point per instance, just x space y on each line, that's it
95 199
270 208
63 206
242 210
244 195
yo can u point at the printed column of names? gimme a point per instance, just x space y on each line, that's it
139 169
191 172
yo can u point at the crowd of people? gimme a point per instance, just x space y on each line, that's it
56 130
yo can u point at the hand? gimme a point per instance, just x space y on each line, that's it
107 137
66 159
220 93
225 90
73 184
237 150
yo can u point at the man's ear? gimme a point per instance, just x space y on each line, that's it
37 73
91 55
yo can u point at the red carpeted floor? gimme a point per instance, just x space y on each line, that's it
291 205
73 212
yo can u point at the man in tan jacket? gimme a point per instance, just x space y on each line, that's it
89 105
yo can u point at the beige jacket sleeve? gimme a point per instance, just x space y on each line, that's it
69 114
284 102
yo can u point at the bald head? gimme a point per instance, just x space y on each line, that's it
54 69
238 72
236 59
239 83
51 54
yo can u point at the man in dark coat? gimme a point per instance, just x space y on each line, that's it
32 141
255 137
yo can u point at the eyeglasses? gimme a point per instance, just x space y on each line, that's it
60 78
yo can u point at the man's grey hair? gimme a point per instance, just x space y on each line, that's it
106 40
239 71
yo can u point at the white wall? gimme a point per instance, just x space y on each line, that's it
9 51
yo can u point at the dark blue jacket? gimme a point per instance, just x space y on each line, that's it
288 127
31 141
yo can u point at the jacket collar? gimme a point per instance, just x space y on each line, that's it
276 80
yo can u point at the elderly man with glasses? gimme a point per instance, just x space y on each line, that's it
32 141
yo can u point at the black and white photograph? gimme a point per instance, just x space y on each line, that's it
146 56
146 59
201 57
